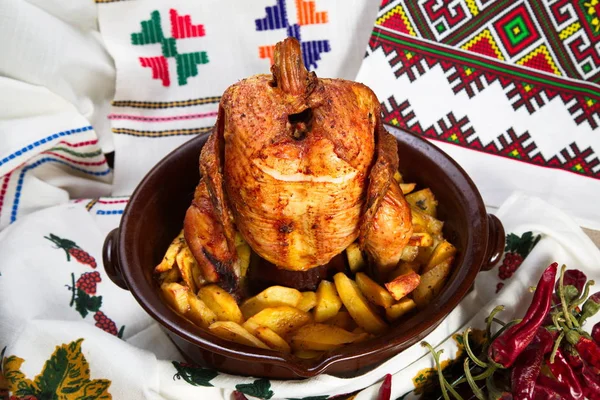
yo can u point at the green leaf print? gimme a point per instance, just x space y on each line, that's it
260 388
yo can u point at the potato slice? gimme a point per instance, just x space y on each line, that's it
356 261
271 297
233 332
282 320
421 221
199 313
342 319
404 267
403 285
432 283
169 259
321 337
169 276
177 296
397 310
357 305
420 239
221 303
328 301
308 354
308 302
243 251
409 253
407 187
372 291
272 339
398 177
423 200
442 252
187 264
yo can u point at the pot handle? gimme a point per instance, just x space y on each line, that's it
110 257
496 242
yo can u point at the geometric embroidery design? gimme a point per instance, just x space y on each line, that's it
181 28
307 14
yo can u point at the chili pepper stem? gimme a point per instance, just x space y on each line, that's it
584 296
469 351
476 391
556 346
490 319
561 294
488 372
436 358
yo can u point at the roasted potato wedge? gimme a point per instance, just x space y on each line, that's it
244 252
400 308
233 332
422 221
328 301
177 296
308 302
321 337
169 259
403 285
270 297
199 313
271 339
373 291
398 177
420 239
357 305
308 354
409 253
356 261
442 252
432 283
282 320
221 303
404 267
407 187
169 276
342 319
423 200
188 268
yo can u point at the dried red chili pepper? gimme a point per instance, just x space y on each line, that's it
526 369
591 383
574 278
548 389
572 356
507 347
590 307
596 333
563 373
586 347
385 391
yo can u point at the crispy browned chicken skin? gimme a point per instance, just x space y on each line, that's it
301 167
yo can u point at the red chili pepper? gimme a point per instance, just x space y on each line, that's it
526 368
586 347
385 391
575 278
563 373
507 347
591 383
239 395
596 333
548 389
572 356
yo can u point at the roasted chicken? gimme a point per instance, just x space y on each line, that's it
301 167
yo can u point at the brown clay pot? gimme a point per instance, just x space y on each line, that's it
154 215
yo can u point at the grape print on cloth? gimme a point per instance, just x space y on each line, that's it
65 375
84 289
517 248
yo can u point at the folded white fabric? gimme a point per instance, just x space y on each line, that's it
51 328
